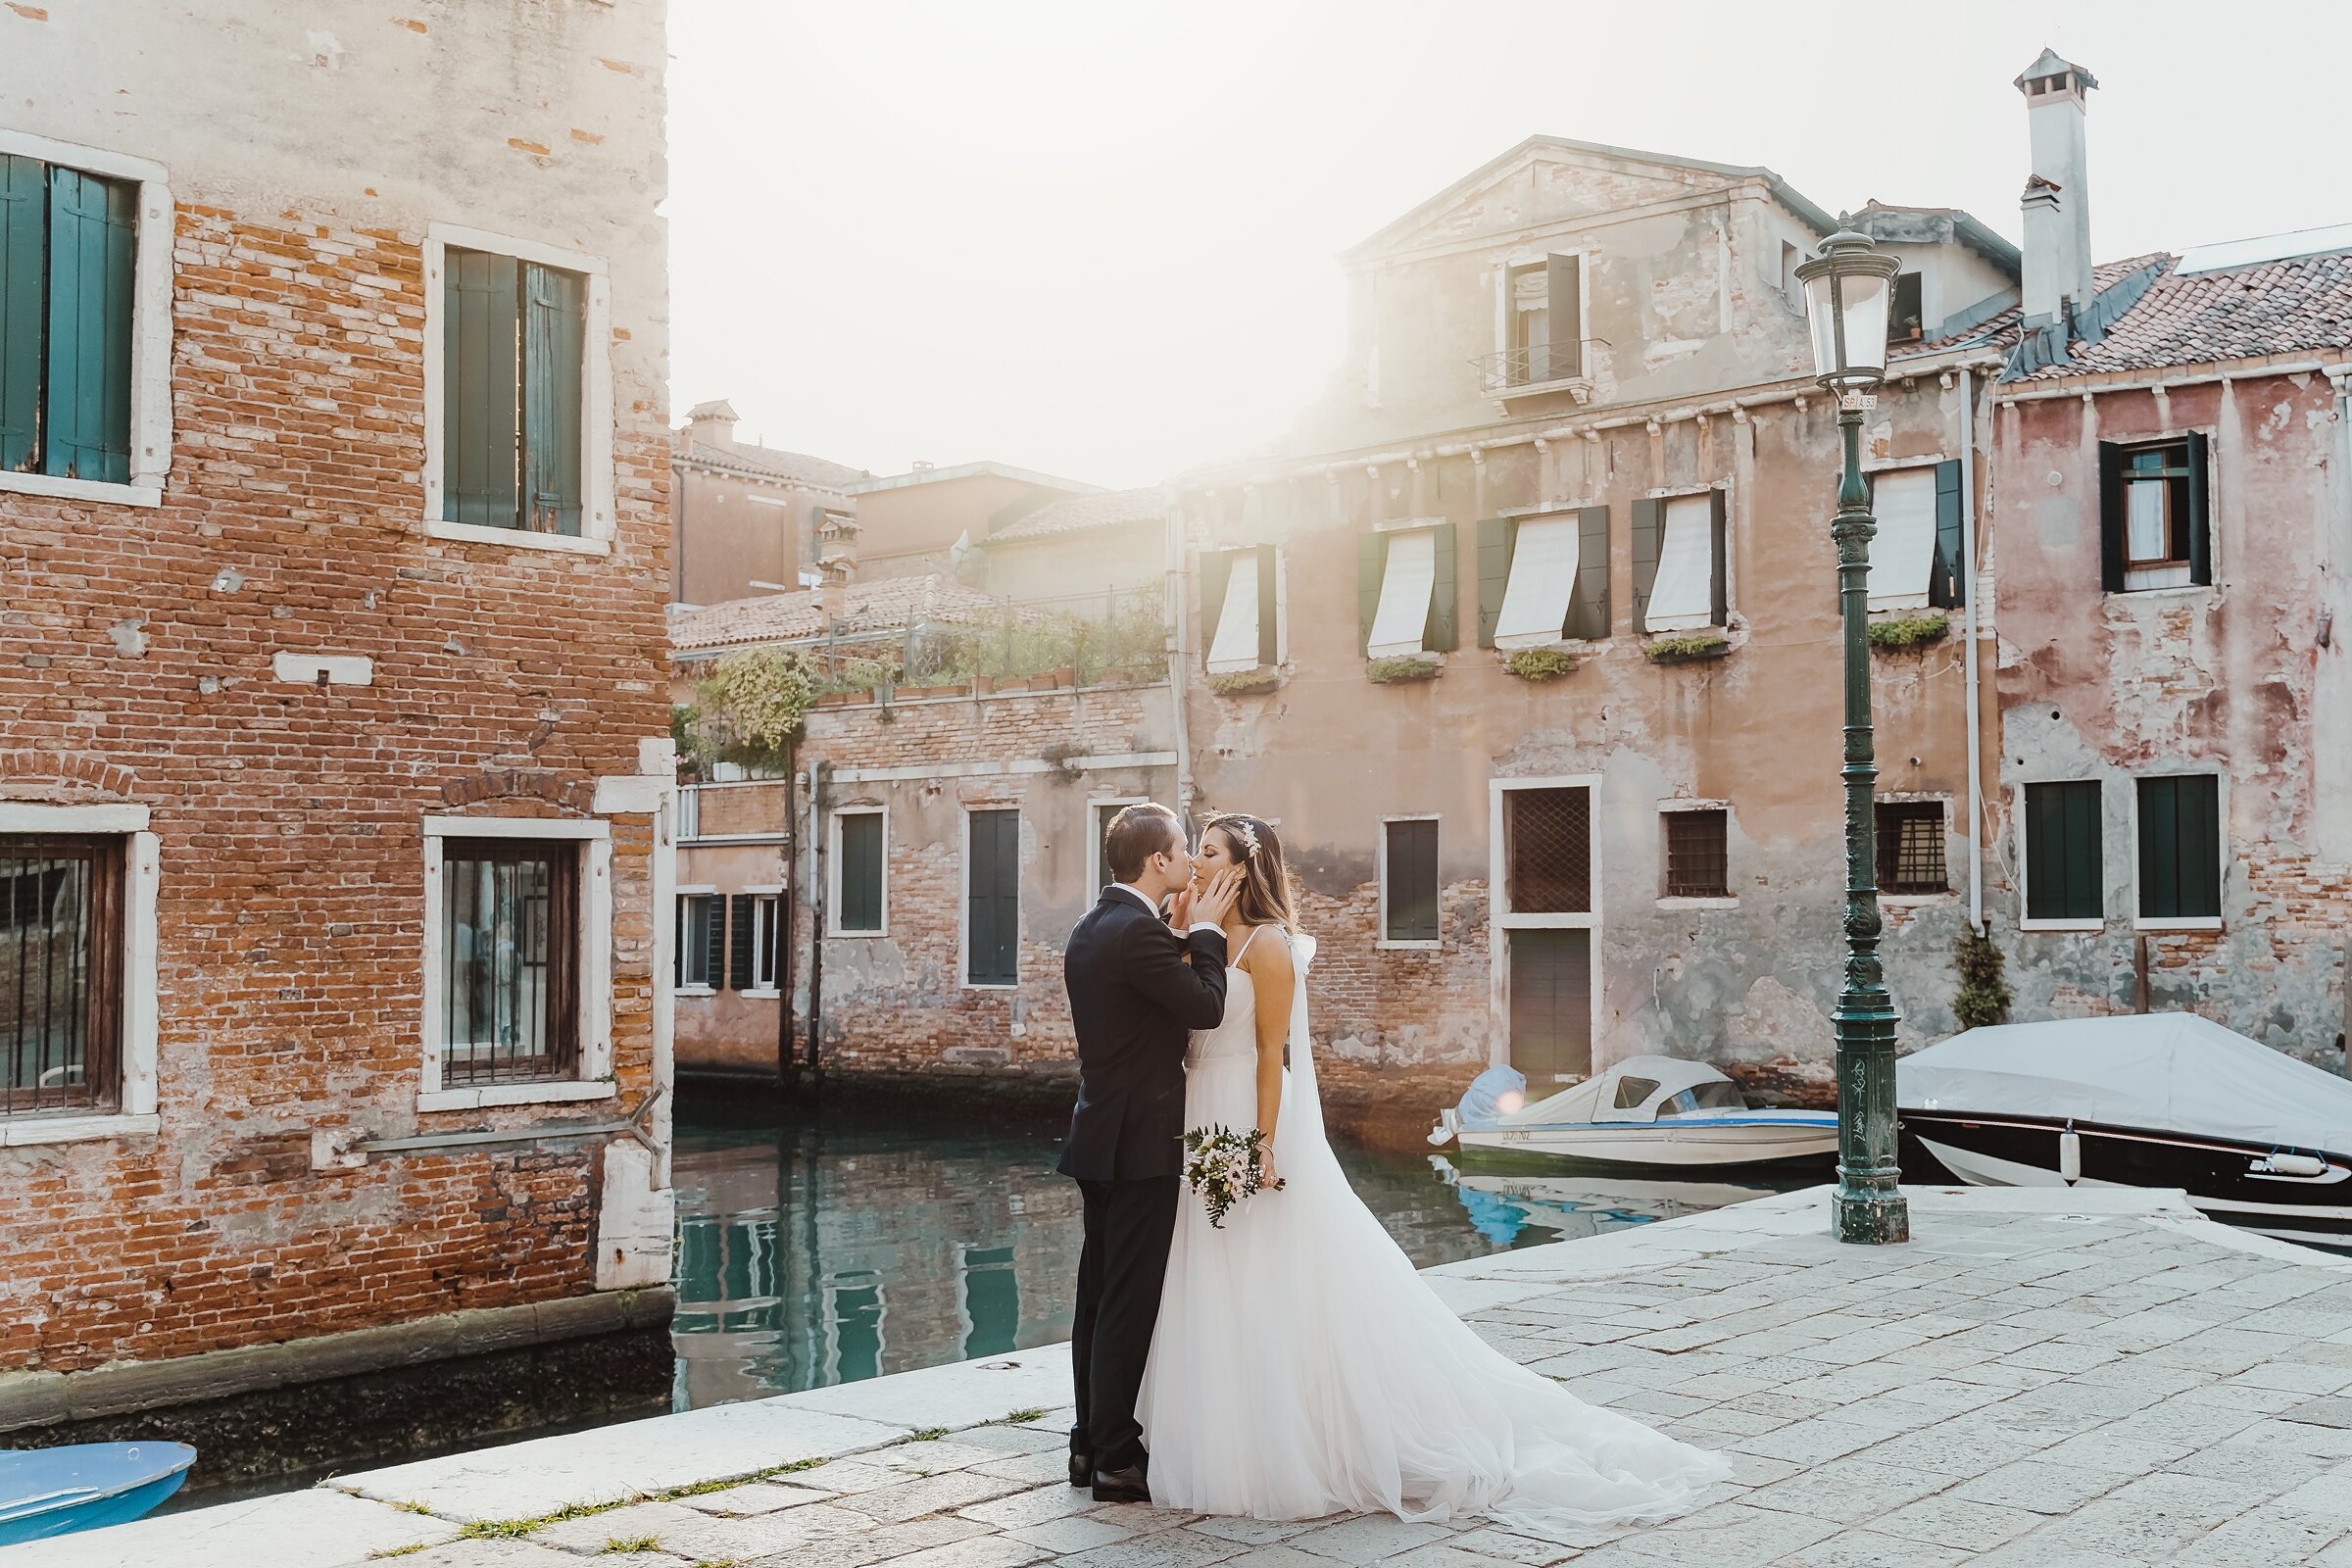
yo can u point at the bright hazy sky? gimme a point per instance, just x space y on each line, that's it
1097 238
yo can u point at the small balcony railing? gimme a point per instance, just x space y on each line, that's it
1546 367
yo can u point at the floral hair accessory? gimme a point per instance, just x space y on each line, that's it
1240 831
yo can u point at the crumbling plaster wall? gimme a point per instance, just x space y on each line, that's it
2227 678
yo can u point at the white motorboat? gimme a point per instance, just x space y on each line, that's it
1645 1110
1570 1208
2255 1137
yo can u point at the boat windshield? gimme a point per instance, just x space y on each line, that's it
1630 1092
1703 1097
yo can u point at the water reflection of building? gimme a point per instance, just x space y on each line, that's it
819 1259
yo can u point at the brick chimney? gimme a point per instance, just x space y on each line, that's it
712 423
2057 195
836 558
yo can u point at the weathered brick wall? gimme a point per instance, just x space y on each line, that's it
135 666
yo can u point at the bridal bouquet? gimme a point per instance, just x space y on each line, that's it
1222 1167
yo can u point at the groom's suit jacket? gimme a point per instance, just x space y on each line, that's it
1137 990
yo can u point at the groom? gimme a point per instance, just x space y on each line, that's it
1137 989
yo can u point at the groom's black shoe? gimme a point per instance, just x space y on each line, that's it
1122 1486
1082 1469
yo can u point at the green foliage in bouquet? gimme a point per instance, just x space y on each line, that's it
1222 1167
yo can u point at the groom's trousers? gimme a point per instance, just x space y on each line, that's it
1129 1225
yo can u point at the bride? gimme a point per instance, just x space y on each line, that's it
1301 1367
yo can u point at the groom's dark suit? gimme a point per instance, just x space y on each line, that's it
1137 990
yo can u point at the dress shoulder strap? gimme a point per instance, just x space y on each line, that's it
1245 940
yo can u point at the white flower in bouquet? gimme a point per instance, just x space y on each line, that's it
1225 1167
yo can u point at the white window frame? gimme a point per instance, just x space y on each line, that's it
1505 307
1280 609
1730 900
150 326
767 905
1403 527
2221 833
595 1080
1499 922
1094 834
2025 900
1381 940
142 856
596 516
682 987
1731 594
964 897
1571 518
833 926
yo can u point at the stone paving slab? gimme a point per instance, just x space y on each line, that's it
2096 1378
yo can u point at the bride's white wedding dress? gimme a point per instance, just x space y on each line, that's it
1302 1366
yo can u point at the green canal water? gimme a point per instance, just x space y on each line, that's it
850 1243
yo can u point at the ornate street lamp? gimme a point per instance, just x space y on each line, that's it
1847 290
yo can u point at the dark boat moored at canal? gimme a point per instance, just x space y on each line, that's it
2256 1138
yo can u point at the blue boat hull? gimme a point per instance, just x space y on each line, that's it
59 1492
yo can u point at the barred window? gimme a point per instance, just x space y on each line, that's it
1698 856
1911 847
1548 849
61 972
510 938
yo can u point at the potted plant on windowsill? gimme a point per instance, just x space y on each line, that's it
1906 632
1540 665
1686 648
1404 669
1246 682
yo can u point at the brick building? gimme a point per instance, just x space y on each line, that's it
333 769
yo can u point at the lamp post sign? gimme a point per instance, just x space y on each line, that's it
1847 290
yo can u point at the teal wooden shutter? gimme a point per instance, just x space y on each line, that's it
1719 590
2111 517
1496 537
554 339
1650 532
1947 586
2179 848
2063 861
714 937
1412 889
479 361
1589 611
1216 571
93 224
1443 632
861 872
1565 318
993 919
739 942
1371 560
2201 528
1269 647
23 261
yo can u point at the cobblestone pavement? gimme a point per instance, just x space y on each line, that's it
2079 1379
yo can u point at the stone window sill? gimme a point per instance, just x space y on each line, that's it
59 489
514 1095
1385 945
2157 927
517 538
1698 904
694 991
18 1134
2062 925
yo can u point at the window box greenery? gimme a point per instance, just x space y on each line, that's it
1686 648
1540 664
1911 631
1246 682
1406 667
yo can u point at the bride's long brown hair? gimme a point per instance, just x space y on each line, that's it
1268 895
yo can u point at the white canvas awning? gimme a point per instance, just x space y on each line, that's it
1535 600
1235 649
1682 594
1903 555
1406 588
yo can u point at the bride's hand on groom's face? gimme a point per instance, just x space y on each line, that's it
1215 901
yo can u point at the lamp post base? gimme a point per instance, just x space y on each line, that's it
1872 1220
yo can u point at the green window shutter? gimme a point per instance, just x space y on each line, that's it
478 362
2063 866
1442 634
714 938
2111 518
1495 536
1719 540
1564 313
1947 586
739 942
1650 532
1412 890
1371 560
23 261
1268 586
93 224
861 873
992 925
1216 571
1589 611
2200 512
554 342
2179 848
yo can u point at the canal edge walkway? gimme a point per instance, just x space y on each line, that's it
2099 1376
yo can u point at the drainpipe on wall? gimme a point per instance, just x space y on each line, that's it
816 916
781 935
1968 579
1174 614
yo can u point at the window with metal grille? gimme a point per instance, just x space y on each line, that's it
1698 856
1409 890
66 241
512 345
1911 847
702 939
61 972
1547 846
510 948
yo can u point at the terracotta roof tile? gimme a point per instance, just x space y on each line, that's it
1108 509
883 605
2282 307
793 466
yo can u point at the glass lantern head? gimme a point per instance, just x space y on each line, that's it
1848 290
